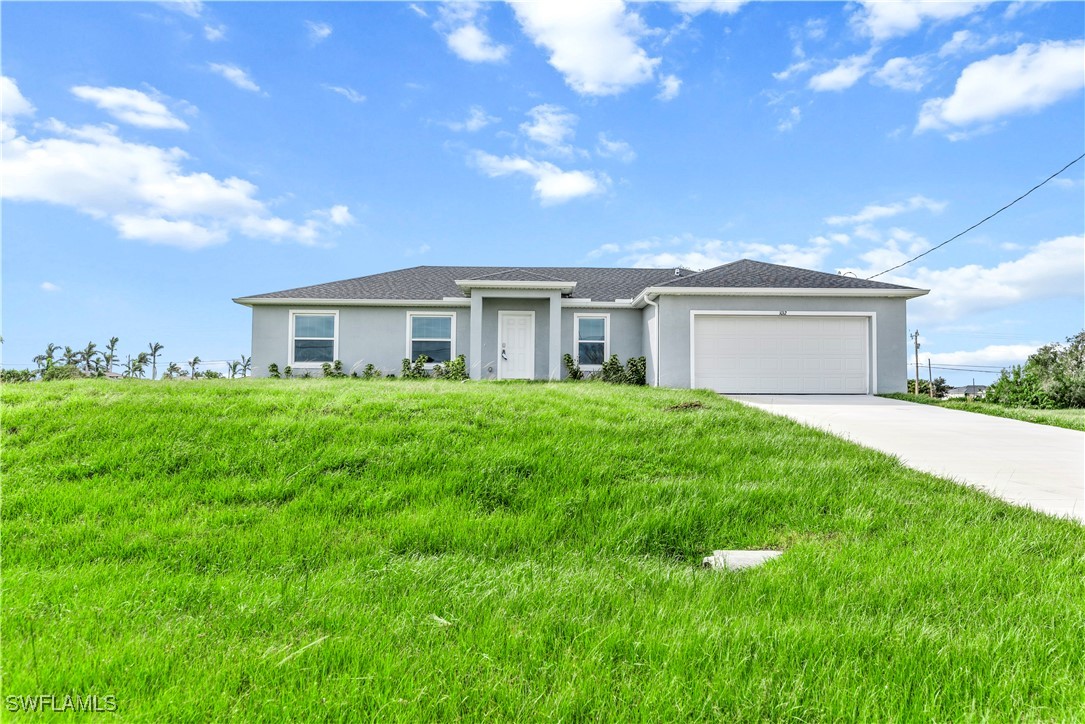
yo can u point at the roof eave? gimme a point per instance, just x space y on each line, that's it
300 301
468 284
653 292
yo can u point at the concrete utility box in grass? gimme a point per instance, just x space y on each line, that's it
738 560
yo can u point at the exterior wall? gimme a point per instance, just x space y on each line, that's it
624 331
674 330
376 335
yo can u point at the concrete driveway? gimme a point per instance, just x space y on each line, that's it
1037 466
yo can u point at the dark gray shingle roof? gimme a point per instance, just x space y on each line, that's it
597 283
437 282
748 274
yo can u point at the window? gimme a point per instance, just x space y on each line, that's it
591 339
431 336
312 338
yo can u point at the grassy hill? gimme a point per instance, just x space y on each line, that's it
410 551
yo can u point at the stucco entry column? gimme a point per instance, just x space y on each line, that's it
476 335
555 336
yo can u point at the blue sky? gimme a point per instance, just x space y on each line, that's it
161 159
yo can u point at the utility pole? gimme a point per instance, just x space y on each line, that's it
930 377
916 338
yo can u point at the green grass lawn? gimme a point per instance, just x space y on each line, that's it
1071 419
270 550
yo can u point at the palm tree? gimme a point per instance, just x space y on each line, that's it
111 353
50 350
155 348
192 365
88 354
70 356
172 371
233 368
141 361
246 365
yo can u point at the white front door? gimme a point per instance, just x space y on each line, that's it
516 345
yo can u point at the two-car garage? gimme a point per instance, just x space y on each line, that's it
774 353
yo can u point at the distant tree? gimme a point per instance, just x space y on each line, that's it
174 370
1052 376
155 348
111 353
233 368
192 363
941 387
88 355
70 356
246 365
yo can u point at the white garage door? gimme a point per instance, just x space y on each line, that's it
791 354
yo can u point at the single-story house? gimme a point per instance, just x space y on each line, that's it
967 391
743 327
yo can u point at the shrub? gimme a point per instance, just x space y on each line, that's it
572 369
454 370
333 369
273 371
288 371
612 371
636 371
414 370
17 376
212 375
370 372
60 372
1053 376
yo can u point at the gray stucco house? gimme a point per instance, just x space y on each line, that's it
743 327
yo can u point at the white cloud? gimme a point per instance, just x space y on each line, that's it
1026 80
552 184
144 190
846 74
552 127
883 20
906 74
214 33
463 25
620 150
191 8
476 120
1051 269
235 75
131 106
592 44
49 287
799 66
669 87
12 102
723 7
318 31
995 354
417 251
873 212
965 41
418 10
792 120
349 93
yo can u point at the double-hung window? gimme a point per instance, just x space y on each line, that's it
431 336
313 337
592 339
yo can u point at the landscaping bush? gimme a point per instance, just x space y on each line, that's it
414 370
572 369
273 371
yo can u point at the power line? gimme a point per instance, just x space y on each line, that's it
981 221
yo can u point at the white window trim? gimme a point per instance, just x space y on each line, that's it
410 339
605 316
335 336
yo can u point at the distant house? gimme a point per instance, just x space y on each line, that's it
743 327
968 391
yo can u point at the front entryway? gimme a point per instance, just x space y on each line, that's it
516 345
